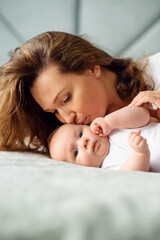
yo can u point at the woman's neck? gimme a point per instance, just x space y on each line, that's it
115 102
116 105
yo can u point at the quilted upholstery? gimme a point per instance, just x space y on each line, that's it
122 27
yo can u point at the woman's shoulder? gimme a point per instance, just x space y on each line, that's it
154 69
154 62
151 66
154 57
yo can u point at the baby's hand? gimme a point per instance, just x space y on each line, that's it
99 126
137 142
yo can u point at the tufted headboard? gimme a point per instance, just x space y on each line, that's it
121 27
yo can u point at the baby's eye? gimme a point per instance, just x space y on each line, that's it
81 134
76 152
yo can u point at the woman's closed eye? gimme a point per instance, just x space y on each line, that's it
66 99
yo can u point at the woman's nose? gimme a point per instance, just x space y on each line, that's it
70 118
67 117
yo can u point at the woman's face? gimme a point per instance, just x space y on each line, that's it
73 98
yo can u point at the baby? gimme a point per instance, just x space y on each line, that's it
79 145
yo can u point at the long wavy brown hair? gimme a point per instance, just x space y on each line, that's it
24 125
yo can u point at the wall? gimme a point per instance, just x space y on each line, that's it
121 27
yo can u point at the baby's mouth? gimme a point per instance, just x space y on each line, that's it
93 145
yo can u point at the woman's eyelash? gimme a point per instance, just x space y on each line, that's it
55 112
64 101
67 99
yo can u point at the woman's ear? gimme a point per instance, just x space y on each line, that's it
97 71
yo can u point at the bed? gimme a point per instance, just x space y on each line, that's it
41 198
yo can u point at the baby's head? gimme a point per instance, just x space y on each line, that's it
77 144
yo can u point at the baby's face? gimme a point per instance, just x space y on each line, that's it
77 144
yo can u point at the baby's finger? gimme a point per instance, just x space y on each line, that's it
102 134
144 145
138 140
132 135
138 131
93 128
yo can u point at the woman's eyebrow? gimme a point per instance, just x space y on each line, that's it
56 97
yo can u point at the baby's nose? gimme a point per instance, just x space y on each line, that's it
85 142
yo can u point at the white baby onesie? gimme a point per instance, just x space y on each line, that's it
120 149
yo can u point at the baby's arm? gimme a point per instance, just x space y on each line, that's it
140 156
127 117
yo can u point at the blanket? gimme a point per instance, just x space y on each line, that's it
41 198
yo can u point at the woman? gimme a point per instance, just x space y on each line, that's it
60 78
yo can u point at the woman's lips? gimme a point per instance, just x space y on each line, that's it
83 122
